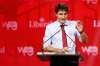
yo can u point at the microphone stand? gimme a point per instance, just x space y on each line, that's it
80 57
48 40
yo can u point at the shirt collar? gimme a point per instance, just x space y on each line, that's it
65 23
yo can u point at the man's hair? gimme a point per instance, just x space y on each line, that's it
60 7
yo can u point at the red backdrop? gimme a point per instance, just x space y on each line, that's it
22 26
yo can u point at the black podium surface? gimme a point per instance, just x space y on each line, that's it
61 59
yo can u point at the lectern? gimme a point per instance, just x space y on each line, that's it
61 59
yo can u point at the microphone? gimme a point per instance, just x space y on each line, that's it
49 39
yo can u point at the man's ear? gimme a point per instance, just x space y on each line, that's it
56 14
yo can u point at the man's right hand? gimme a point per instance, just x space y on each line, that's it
65 49
62 50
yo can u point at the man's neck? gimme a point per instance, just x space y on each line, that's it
61 22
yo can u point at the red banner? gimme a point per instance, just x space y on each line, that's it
22 27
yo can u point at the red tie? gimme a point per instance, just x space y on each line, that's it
64 38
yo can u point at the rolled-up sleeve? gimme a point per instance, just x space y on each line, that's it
76 31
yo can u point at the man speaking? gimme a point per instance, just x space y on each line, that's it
60 35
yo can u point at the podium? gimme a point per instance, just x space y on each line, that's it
61 59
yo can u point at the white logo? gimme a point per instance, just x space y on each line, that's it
26 51
90 50
10 25
38 24
96 23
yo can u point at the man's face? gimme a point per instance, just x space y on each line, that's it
61 16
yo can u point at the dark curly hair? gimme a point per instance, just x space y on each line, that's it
61 6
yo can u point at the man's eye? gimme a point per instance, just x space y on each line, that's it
60 14
64 13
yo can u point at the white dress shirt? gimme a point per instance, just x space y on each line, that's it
53 35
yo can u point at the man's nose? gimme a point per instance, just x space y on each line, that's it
64 16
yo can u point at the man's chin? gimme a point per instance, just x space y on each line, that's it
62 21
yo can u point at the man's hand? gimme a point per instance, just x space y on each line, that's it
65 49
83 37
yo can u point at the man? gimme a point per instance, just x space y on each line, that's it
63 31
